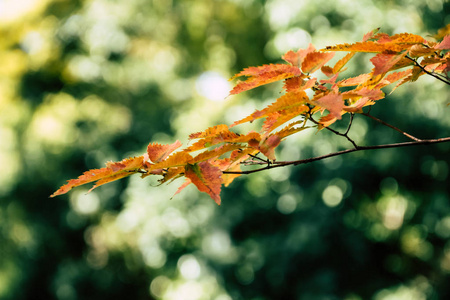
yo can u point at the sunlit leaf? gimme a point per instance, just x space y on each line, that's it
264 75
112 172
315 60
207 179
334 103
157 152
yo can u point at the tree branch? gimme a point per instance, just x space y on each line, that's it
277 164
391 126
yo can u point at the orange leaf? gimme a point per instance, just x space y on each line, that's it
285 102
333 103
228 178
442 32
384 62
327 70
370 34
355 80
315 60
215 153
420 50
298 83
221 137
211 131
406 38
296 58
341 63
207 178
278 118
369 46
177 159
157 152
264 75
290 129
326 121
172 174
267 146
360 103
445 44
112 172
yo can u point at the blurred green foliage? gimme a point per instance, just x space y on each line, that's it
83 82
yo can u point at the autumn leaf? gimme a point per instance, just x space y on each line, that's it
333 103
225 136
370 34
296 58
215 153
360 79
172 174
372 47
207 179
290 129
285 102
211 131
360 103
266 146
326 121
315 60
419 50
327 70
112 172
342 62
384 62
277 119
331 80
298 84
263 75
445 44
157 152
177 159
442 32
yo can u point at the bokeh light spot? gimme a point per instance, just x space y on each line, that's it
212 86
332 195
189 267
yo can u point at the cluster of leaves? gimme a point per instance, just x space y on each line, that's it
217 154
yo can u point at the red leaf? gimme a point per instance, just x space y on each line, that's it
207 178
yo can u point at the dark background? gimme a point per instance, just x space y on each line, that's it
85 82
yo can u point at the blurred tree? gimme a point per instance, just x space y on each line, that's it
83 82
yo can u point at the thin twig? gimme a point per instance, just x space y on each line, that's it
277 164
337 132
428 72
391 126
349 123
